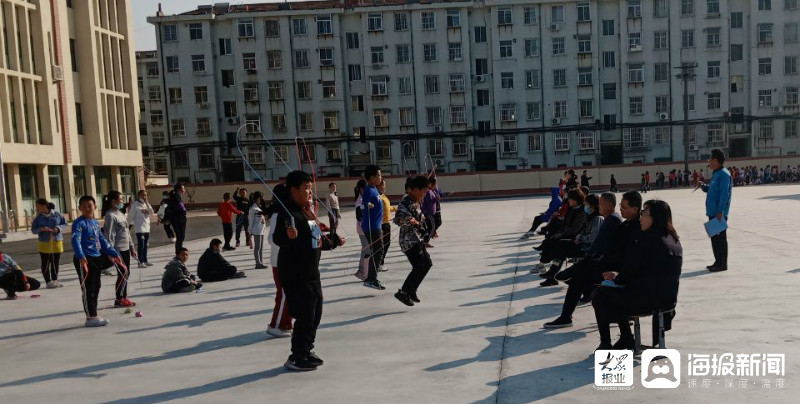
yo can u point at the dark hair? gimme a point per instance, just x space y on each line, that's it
177 187
256 196
332 183
418 182
371 171
576 195
214 241
359 186
279 194
661 214
586 190
141 191
180 250
634 199
297 178
44 202
718 155
432 180
609 197
226 196
594 202
86 198
242 189
113 195
571 172
165 193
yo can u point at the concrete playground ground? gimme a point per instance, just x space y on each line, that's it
477 336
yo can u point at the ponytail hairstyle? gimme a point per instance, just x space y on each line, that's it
279 195
44 202
257 198
107 200
360 185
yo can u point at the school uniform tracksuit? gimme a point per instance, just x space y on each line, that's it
88 242
371 224
281 317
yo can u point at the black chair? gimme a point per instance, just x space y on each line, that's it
659 333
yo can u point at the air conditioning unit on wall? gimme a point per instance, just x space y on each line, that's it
664 116
693 147
556 121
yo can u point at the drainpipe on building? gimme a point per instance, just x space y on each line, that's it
3 202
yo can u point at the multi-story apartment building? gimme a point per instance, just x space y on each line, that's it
467 85
68 113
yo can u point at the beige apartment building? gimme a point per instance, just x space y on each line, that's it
68 102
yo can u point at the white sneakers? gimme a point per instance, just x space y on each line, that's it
54 285
539 268
96 322
173 239
383 268
278 333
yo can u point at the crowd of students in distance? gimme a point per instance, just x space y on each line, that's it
625 264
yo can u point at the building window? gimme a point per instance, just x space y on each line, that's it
378 85
352 40
457 83
661 9
481 67
434 116
301 59
177 127
609 91
326 56
180 158
406 116
790 129
404 86
273 59
435 147
156 118
357 103
354 72
662 104
428 20
304 90
609 59
506 49
278 123
431 84
790 33
586 107
634 138
230 109
409 149
459 146
480 34
560 109
712 37
714 101
158 139
249 60
660 40
713 70
689 99
299 26
561 142
225 47
636 73
483 98
509 144
557 14
252 123
250 91
453 19
587 140
324 26
535 142
246 28
403 53
790 4
375 22
328 89
400 22
175 95
634 8
504 16
154 93
636 105
560 78
458 114
376 52
429 52
275 90
764 5
203 126
201 95
454 50
764 66
330 120
737 20
534 111
531 47
507 80
661 136
508 112
737 52
79 117
792 96
716 137
634 41
333 154
172 64
687 38
661 72
532 79
608 27
687 8
765 33
195 31
764 98
712 6
170 33
765 129
198 63
306 121
584 12
559 46
272 28
529 15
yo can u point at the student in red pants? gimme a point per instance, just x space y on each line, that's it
281 324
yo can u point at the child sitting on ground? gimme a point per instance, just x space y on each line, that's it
178 279
12 279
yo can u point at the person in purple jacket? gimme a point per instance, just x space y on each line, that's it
429 202
544 217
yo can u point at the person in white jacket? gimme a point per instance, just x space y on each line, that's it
139 216
258 227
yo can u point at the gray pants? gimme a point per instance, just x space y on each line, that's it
258 250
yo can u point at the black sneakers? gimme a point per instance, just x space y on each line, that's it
314 359
414 297
548 282
404 298
717 269
302 365
559 323
625 343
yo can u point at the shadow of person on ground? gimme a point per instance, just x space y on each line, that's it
543 383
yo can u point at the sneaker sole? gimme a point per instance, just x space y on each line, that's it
291 366
408 302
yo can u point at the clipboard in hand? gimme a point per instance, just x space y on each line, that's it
715 226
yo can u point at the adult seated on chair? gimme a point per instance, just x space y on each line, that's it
608 251
577 247
651 284
213 267
573 224
544 217
177 278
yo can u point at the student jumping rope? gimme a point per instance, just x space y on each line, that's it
92 254
301 241
386 224
49 225
412 227
364 254
119 236
372 207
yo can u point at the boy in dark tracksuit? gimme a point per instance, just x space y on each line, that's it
301 241
412 227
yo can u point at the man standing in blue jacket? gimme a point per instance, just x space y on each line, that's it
372 222
718 204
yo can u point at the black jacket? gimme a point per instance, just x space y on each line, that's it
212 263
573 223
624 247
176 210
585 180
298 259
654 282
